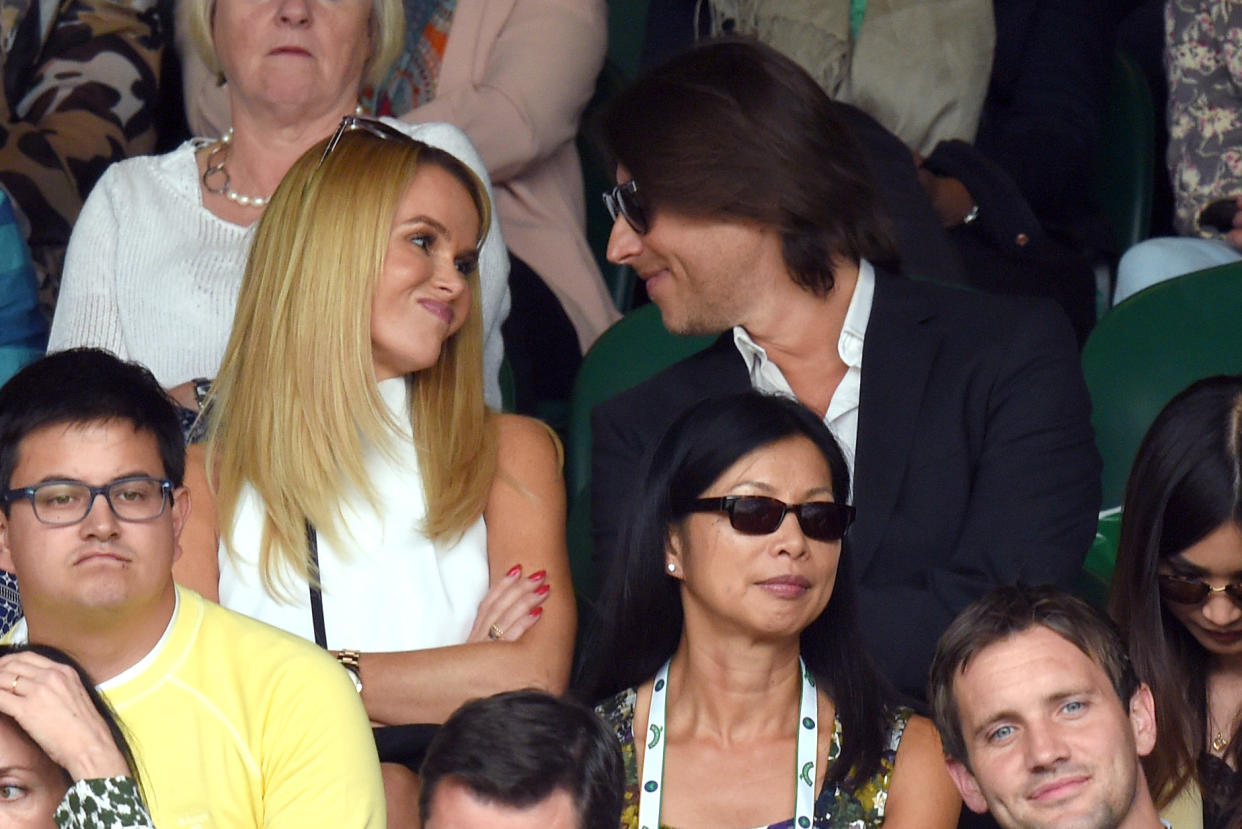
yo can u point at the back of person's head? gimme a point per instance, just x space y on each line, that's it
101 707
518 748
297 383
640 613
733 129
81 386
1005 612
1185 484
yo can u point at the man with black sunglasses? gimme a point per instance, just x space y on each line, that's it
233 723
745 207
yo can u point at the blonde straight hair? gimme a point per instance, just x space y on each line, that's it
296 398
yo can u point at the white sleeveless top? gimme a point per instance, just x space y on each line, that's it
393 589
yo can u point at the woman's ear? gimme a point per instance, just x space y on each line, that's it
674 546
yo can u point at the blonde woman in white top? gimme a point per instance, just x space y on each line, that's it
349 410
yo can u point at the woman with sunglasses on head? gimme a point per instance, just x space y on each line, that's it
366 497
727 649
1177 597
156 257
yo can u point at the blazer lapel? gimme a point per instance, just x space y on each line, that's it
898 352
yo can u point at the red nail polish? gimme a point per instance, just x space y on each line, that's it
538 575
513 571
536 611
542 590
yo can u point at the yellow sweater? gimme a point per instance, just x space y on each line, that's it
236 724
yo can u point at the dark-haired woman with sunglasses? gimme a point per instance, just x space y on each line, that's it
727 650
1177 596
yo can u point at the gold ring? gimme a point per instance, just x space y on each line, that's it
494 633
13 687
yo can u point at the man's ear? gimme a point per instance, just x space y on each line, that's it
1143 720
180 507
6 554
967 786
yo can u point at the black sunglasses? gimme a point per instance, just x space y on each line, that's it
1194 592
356 122
760 515
623 200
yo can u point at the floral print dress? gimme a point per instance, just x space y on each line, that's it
836 807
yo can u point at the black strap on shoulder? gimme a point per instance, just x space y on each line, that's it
316 597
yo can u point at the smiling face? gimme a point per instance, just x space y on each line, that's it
423 296
304 54
101 564
1049 742
31 785
706 275
770 586
1216 623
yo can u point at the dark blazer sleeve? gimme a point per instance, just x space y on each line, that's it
1001 483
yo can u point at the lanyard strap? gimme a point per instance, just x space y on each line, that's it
858 10
651 792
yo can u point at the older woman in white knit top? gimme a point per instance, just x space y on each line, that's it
156 258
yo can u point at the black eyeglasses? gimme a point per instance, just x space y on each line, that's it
138 498
623 200
1194 592
356 122
760 515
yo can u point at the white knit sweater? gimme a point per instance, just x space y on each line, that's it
153 276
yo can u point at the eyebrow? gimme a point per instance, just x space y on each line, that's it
1048 701
66 479
765 487
1185 568
422 218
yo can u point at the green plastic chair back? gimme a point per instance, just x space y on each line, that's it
1150 347
1097 570
635 348
1125 167
627 29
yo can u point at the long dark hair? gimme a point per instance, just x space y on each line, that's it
101 705
640 619
1185 483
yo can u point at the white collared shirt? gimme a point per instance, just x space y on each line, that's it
842 415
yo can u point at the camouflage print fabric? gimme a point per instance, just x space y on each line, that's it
103 803
836 807
80 79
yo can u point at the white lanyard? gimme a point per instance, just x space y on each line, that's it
650 791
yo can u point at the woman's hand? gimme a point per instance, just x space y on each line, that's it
48 701
510 607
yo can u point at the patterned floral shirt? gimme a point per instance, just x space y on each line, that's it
1203 57
836 807
81 79
103 803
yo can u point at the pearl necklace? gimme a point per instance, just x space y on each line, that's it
221 148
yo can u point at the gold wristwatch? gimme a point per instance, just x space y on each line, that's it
350 662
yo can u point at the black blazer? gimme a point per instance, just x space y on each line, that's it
975 464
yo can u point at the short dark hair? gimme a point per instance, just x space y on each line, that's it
519 747
1007 611
84 385
640 617
734 129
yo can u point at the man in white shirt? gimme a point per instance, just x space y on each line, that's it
744 205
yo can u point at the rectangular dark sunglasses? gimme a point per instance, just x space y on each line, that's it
623 200
760 515
1194 592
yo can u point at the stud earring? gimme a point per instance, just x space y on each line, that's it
672 568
